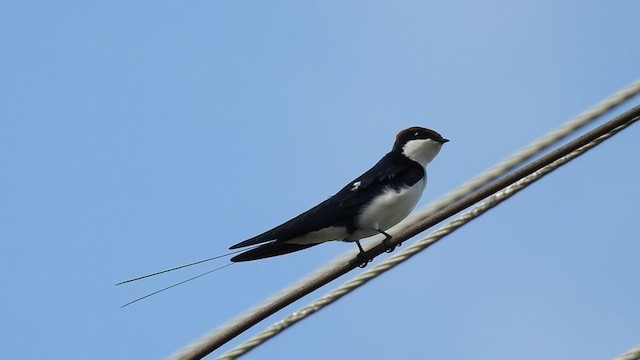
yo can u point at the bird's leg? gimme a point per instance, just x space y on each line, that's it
361 254
386 240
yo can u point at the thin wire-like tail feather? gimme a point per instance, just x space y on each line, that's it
178 267
176 284
269 250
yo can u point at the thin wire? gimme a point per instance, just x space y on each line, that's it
409 252
219 337
633 354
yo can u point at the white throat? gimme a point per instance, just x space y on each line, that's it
421 151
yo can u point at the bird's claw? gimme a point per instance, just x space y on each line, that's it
365 263
386 242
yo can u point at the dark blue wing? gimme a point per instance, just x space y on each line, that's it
392 171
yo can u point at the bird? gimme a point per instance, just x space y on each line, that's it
369 205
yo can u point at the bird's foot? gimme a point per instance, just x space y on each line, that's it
390 250
387 242
365 263
362 256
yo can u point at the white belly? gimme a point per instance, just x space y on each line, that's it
387 210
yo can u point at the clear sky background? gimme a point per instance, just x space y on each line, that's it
136 136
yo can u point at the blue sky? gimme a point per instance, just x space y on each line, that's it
136 136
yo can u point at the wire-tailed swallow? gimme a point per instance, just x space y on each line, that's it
375 201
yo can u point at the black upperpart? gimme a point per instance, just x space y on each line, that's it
414 133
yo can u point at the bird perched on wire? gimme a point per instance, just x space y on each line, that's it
369 205
374 202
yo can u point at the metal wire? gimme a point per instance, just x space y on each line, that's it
633 354
409 252
205 345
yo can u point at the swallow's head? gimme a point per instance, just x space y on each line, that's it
419 144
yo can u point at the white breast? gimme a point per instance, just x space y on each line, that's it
388 209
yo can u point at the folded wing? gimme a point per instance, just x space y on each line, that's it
393 170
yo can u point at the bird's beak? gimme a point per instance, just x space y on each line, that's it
444 141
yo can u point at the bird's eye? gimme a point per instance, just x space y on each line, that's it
416 134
